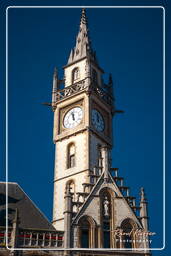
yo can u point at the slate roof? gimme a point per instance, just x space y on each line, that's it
29 215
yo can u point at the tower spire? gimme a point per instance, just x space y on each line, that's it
83 16
83 43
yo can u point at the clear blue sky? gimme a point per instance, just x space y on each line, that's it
128 43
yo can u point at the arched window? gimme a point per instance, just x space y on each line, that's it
71 184
71 155
87 229
127 238
75 74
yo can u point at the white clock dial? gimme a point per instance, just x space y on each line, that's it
97 120
73 117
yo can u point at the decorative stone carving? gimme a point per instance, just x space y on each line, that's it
106 207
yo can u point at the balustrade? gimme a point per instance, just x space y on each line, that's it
80 86
33 238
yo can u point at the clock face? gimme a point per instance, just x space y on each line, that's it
73 117
97 120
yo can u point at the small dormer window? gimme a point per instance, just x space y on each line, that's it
75 74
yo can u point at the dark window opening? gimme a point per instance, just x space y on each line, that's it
72 161
127 241
85 233
71 156
85 238
106 234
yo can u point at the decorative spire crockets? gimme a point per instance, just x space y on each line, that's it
83 44
55 87
143 209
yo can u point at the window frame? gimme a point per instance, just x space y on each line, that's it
70 155
74 71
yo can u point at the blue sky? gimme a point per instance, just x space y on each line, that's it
128 43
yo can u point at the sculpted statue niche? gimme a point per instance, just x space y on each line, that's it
106 206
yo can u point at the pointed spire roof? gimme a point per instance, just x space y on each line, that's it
142 194
83 43
55 73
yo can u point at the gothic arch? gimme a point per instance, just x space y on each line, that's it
131 221
71 184
108 190
87 232
89 218
128 226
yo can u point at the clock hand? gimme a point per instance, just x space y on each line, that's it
73 117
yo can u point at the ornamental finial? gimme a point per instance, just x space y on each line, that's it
83 16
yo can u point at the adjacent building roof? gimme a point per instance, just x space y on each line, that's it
29 215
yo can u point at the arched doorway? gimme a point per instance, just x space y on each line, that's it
86 232
128 226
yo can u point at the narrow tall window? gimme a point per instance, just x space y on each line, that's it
71 155
75 74
106 220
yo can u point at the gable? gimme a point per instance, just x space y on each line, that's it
91 206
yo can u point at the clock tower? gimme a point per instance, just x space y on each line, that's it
83 108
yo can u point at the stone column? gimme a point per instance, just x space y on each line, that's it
112 223
105 161
67 219
100 237
92 244
88 73
144 216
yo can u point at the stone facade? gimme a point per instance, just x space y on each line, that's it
84 136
